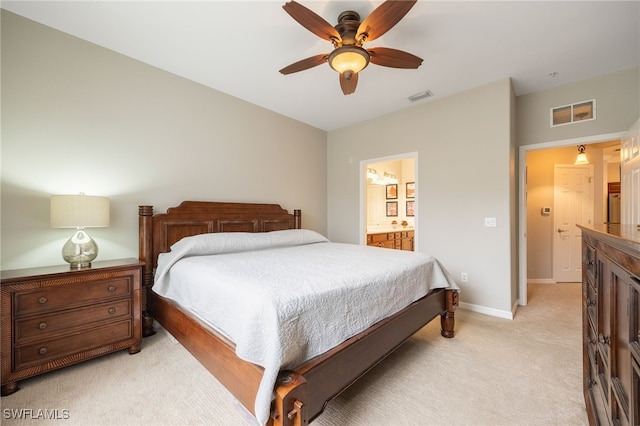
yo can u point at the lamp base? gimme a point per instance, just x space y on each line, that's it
80 250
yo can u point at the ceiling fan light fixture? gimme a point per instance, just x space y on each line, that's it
349 58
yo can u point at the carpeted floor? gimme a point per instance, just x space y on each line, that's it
494 372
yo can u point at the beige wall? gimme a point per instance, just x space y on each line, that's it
464 175
617 98
613 172
80 118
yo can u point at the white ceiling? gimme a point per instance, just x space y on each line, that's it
237 47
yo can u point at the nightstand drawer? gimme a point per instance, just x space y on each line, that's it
41 352
53 298
47 325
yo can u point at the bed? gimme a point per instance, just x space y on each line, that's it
299 392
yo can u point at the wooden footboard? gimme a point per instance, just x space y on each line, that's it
302 394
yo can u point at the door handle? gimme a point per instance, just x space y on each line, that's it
560 230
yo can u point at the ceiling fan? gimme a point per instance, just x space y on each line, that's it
349 57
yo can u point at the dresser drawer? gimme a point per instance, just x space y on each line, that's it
49 299
46 325
48 350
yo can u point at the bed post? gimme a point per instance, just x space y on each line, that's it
297 219
145 254
447 318
288 408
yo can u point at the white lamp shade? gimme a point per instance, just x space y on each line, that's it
581 159
79 211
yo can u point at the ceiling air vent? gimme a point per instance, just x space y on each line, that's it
421 95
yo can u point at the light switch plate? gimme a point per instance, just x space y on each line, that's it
490 222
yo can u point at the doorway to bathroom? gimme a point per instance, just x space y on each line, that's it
389 199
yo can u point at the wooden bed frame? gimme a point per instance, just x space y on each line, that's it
300 395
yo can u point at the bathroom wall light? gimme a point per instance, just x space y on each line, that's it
386 179
372 174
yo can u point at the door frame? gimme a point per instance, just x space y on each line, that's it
363 193
522 197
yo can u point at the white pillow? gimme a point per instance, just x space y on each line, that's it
234 242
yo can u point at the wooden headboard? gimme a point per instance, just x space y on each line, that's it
157 233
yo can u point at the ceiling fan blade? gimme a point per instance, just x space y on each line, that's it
383 18
305 64
393 58
348 82
311 21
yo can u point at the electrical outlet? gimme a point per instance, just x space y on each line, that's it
464 277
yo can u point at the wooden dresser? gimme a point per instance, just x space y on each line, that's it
399 240
611 324
52 317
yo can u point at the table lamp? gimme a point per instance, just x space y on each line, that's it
79 211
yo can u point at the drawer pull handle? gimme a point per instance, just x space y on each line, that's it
111 288
42 325
43 300
606 340
112 310
42 351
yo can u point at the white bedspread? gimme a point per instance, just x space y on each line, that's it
287 296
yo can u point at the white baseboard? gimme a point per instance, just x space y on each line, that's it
489 311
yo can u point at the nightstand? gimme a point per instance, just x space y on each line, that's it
52 317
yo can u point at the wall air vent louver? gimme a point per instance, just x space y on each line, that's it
421 95
568 114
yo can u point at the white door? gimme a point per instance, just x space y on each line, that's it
573 204
630 175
